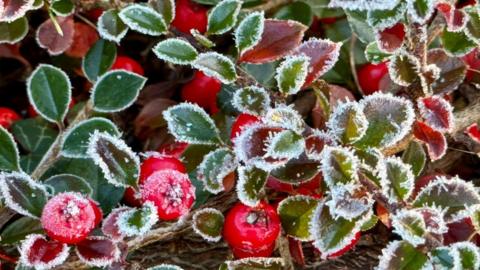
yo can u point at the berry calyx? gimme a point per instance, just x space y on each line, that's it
203 91
128 64
242 121
33 113
251 231
171 191
7 117
69 217
370 75
190 15
354 241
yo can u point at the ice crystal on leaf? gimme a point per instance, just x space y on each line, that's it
410 226
437 113
291 74
398 252
253 100
339 166
249 31
349 201
208 223
109 224
315 143
466 255
214 167
37 252
396 179
348 122
250 184
98 251
420 10
363 4
285 145
13 10
135 222
286 117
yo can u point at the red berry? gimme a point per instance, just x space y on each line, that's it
98 211
128 64
203 91
33 113
251 231
7 117
347 248
171 191
147 168
190 15
69 217
94 14
175 149
370 75
241 122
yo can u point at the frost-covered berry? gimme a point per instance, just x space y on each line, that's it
251 231
7 117
150 165
203 91
190 15
98 211
370 75
241 122
69 217
171 191
128 64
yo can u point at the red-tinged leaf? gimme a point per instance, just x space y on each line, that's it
424 180
391 39
296 251
323 55
11 10
98 251
383 215
473 131
85 36
39 253
49 38
437 113
456 18
435 140
110 227
460 231
279 39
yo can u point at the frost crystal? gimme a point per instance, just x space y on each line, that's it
247 38
410 226
348 202
420 16
396 179
209 211
215 166
348 122
284 145
286 117
458 250
293 66
437 113
32 253
253 100
143 220
363 4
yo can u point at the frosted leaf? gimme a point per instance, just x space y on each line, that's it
285 145
109 224
466 255
214 167
315 143
415 156
48 37
296 213
13 10
250 184
396 179
249 31
402 253
291 74
473 131
97 251
457 44
437 113
410 226
348 201
110 26
434 139
404 69
202 39
176 51
391 39
286 117
381 19
165 267
256 263
420 10
339 166
374 55
348 122
9 154
38 253
223 16
137 222
13 32
434 220
363 4
474 213
165 7
216 65
252 100
208 223
456 18
143 19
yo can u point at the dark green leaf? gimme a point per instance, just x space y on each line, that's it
99 59
457 43
250 184
359 24
111 27
396 179
208 223
415 156
215 167
62 7
252 100
374 54
19 229
13 32
223 16
401 255
9 157
296 213
291 74
68 183
143 19
381 19
249 31
176 51
404 69
216 65
297 11
137 221
165 7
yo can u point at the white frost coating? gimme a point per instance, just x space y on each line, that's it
287 66
231 265
363 4
111 220
289 199
455 252
148 221
172 8
243 28
432 118
175 42
29 90
141 10
389 252
394 75
100 262
253 94
379 157
286 117
27 244
329 169
294 150
473 213
20 12
12 140
241 191
97 159
5 191
105 34
434 219
450 16
174 129
401 223
219 8
387 21
389 189
228 164
326 137
384 103
165 266
195 228
415 15
208 65
345 204
339 119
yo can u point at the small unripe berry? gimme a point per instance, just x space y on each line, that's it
370 75
190 15
7 117
128 64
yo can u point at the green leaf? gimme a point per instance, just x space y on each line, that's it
50 92
473 25
296 170
223 16
256 264
475 216
164 7
401 255
110 26
374 54
404 69
250 184
420 10
19 229
410 225
381 19
251 99
165 267
358 24
116 90
99 59
297 11
143 19
75 140
190 123
137 221
296 213
62 7
457 43
176 51
216 65
249 31
339 166
9 156
193 155
348 122
22 194
13 32
291 74
441 257
120 165
396 179
415 156
285 144
369 224
224 99
201 39
215 166
208 223
68 183
466 255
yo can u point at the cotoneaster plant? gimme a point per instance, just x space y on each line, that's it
313 178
